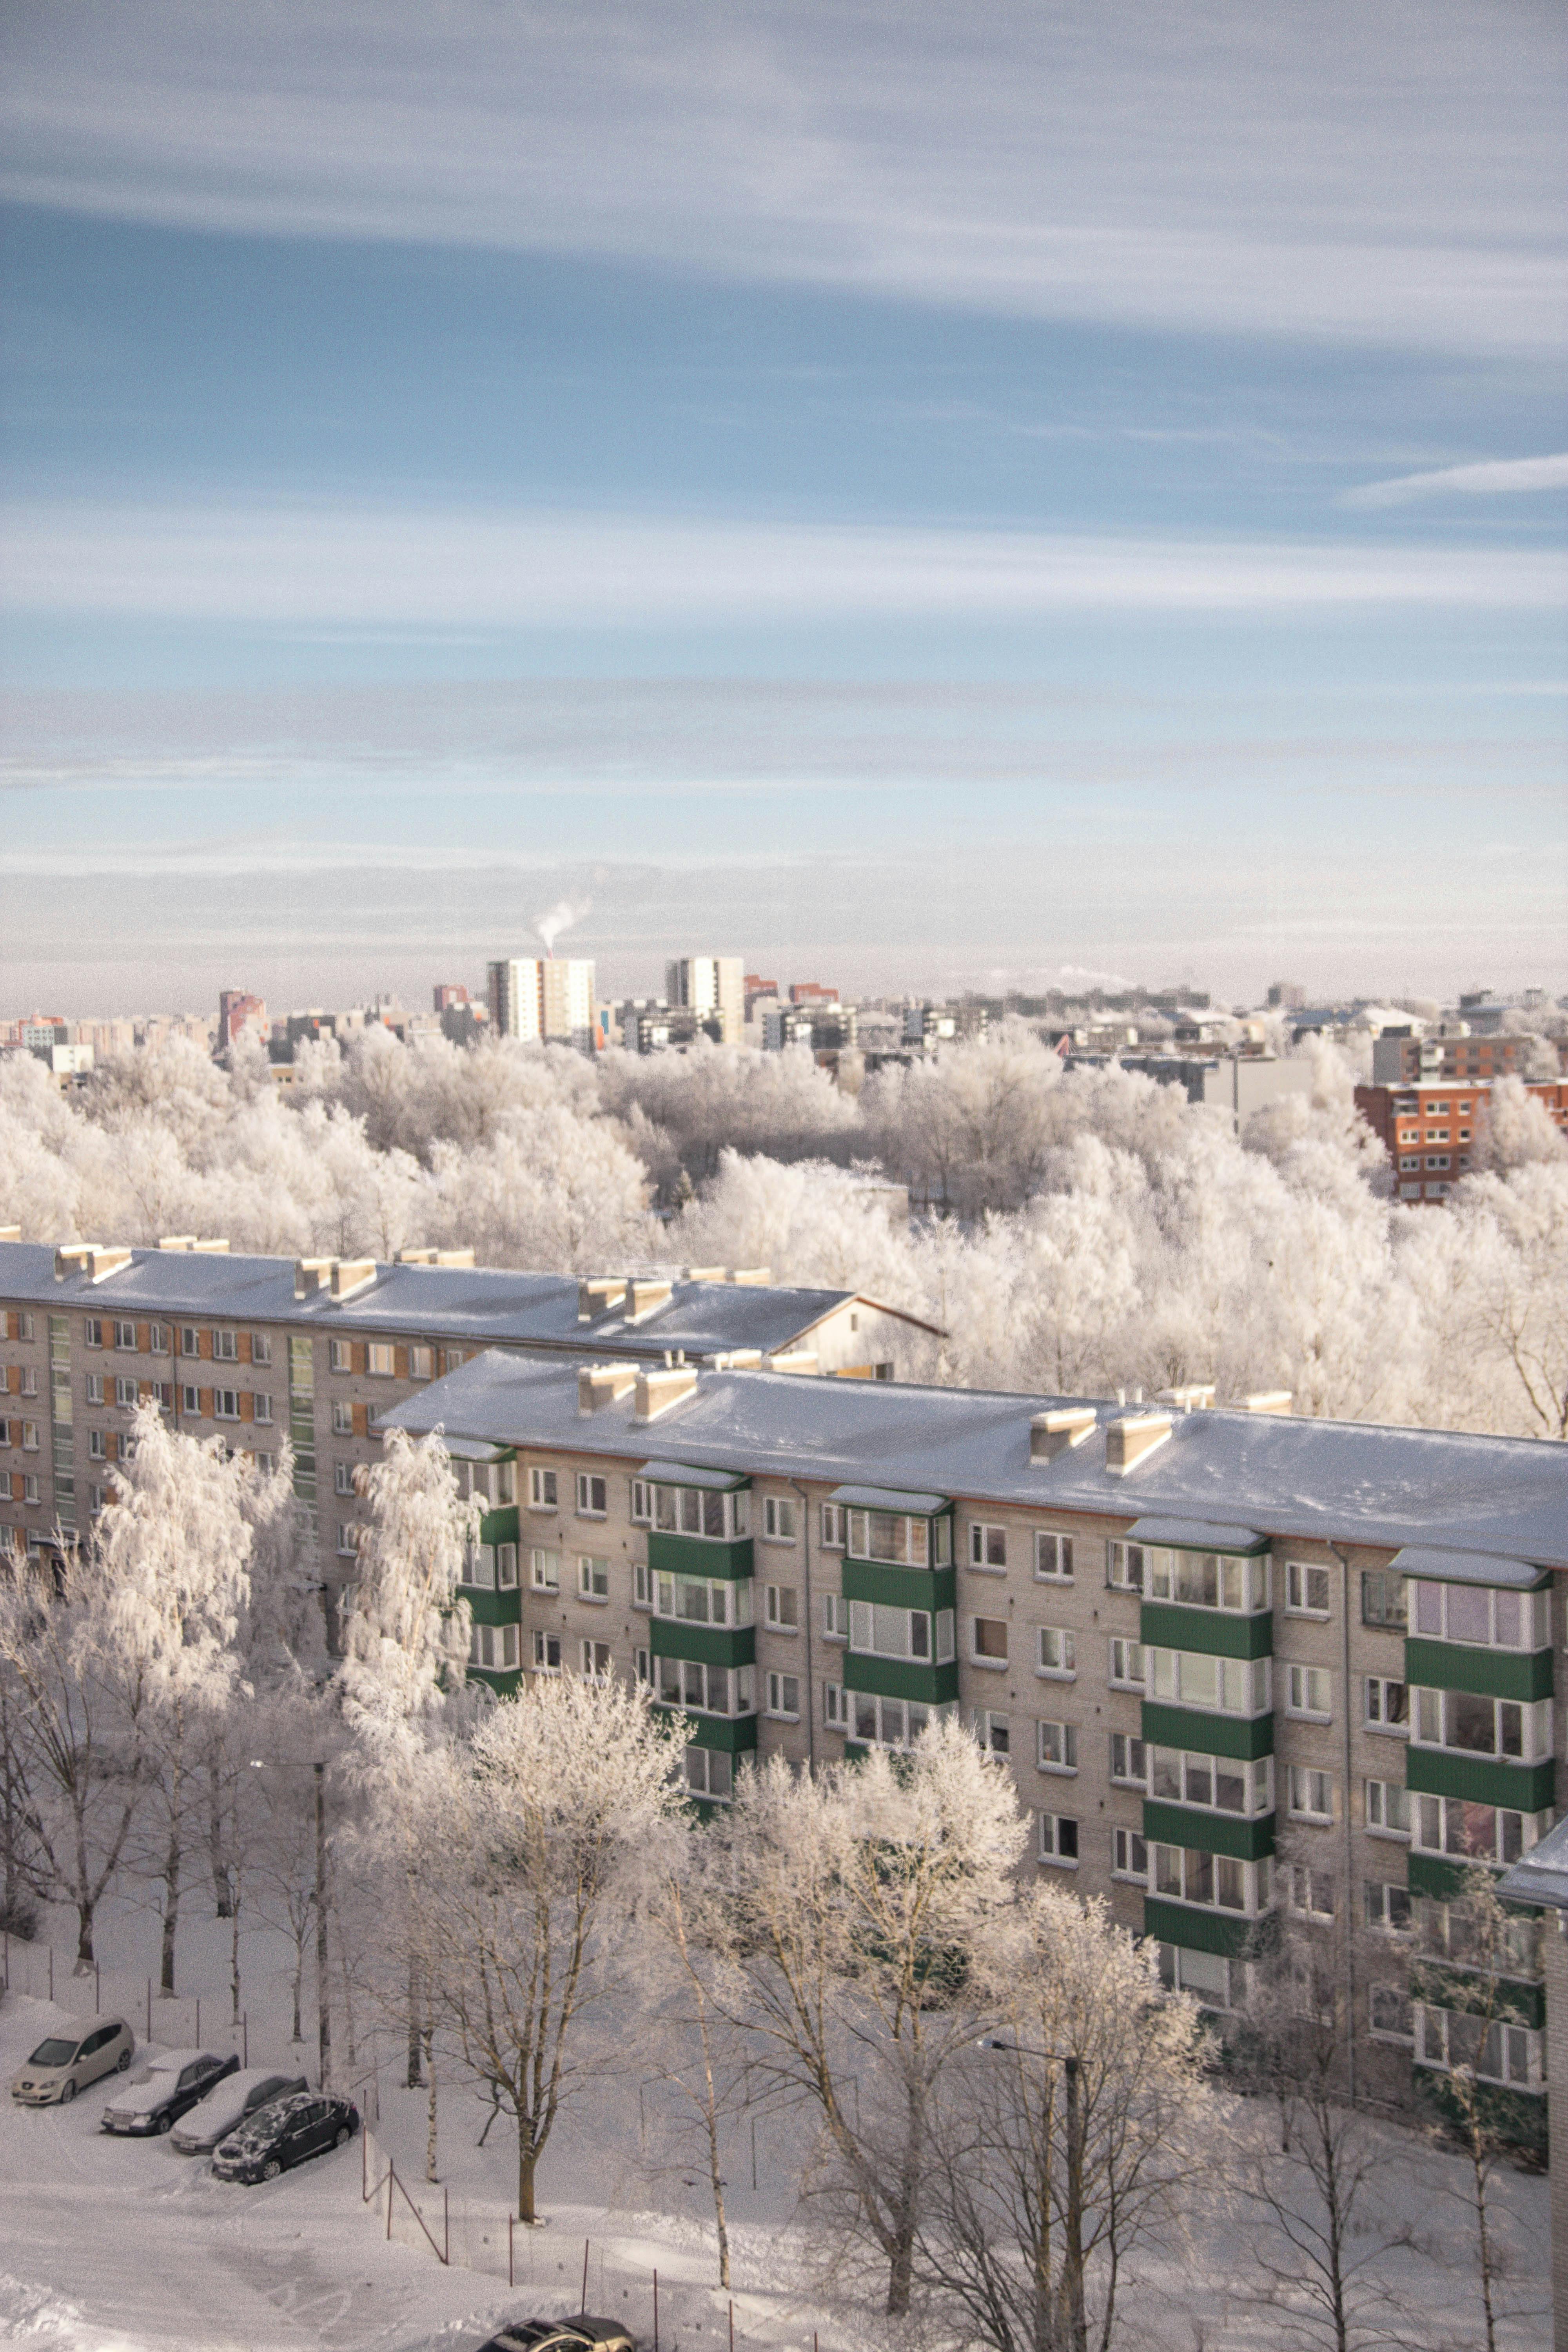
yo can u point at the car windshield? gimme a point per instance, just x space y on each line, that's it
259 2130
53 2053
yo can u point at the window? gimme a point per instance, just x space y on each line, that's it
1219 1784
164 1390
1127 1664
95 1387
1129 1760
226 1404
96 1449
479 1567
30 1487
1479 1614
266 1464
1205 1579
596 1665
1058 1839
1308 1892
343 1478
592 1578
542 1490
1390 2014
93 1331
1387 1705
834 1713
381 1359
701 1600
1204 1973
1194 1678
944 1637
190 1399
889 1536
226 1348
988 1640
1472 1832
421 1363
509 1636
1388 1905
454 1357
780 1608
1306 1590
1311 1693
261 1407
1448 1931
544 1570
642 1585
593 1496
29 1380
834 1531
887 1722
1056 1746
547 1652
339 1355
1388 1808
157 1339
1214 1881
260 1347
1311 1794
1383 1599
1128 1855
778 1519
1499 2052
482 1647
883 1633
987 1546
342 1419
1053 1557
834 1617
348 1541
25 1326
1056 1649
711 1774
703 1689
124 1393
1482 1726
994 1732
1124 1567
29 1437
642 1667
125 1337
190 1339
720 1517
642 1503
783 1696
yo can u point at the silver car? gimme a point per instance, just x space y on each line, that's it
225 2109
67 2062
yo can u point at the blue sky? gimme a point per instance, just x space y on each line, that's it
927 498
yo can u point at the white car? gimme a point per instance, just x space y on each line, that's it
225 2109
67 2062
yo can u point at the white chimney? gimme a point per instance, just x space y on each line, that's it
1051 1433
602 1384
657 1391
1133 1438
1267 1401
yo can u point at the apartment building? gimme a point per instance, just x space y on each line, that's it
1212 1645
1400 1059
712 989
1427 1129
544 999
252 1348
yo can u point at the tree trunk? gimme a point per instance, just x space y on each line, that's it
172 1861
900 2276
430 2173
525 2163
234 1953
415 2077
84 1953
298 2033
222 1890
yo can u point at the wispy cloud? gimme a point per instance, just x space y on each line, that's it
1491 477
426 568
1377 175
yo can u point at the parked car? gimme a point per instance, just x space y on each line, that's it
222 2110
582 2333
155 2099
286 2132
67 2062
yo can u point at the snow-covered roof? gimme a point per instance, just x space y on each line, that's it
1195 1535
490 1306
1499 1501
1444 1567
1543 1876
684 1474
889 1498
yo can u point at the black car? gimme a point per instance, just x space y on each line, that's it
286 2132
166 2088
581 2333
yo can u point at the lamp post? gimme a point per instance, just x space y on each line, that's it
323 2009
1073 2265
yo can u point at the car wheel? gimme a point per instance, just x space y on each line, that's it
271 2168
68 2092
165 2123
121 2062
344 2138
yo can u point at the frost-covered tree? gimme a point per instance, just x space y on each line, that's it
534 1841
405 1629
868 1915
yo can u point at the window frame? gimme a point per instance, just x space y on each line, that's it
587 1480
1056 1840
1052 1544
1305 1571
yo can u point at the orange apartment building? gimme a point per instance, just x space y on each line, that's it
1427 1129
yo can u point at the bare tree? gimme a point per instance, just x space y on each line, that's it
706 2063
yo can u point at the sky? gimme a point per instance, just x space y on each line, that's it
923 498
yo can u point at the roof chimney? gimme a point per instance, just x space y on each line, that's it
599 1295
792 1359
602 1384
349 1276
1051 1433
1267 1401
1197 1396
1131 1438
10 1232
657 1391
91 1258
755 1278
211 1248
311 1275
705 1274
645 1298
177 1242
434 1258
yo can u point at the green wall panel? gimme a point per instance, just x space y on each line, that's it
1195 1930
901 1588
732 1734
1244 1838
711 1645
1489 1674
697 1555
494 1608
898 1678
1215 1632
1243 1736
499 1527
1480 1779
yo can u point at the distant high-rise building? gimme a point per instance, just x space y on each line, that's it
541 999
237 1010
448 996
713 988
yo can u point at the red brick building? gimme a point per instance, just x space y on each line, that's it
1427 1129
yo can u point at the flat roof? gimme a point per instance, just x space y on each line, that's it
490 1305
1195 1535
1441 1566
1495 1499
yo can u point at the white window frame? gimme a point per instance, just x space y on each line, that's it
835 1534
1053 1832
587 1508
261 1348
595 1660
1130 1857
1122 1743
1065 1766
125 1337
348 1546
1300 1691
1053 1557
546 1651
1299 1575
421 1363
778 1519
871 1625
340 1354
1310 1793
834 1617
506 1567
779 1688
343 1418
226 1404
592 1580
381 1359
773 1597
641 1511
1063 1641
835 1708
988 1547
342 1477
543 1488
1125 1567
1379 1798
226 1347
1382 1712
94 1386
1533 1610
543 1568
1127 1664
642 1585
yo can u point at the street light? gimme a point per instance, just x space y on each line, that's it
1073 2266
323 2010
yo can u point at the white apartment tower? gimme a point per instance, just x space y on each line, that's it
710 985
540 998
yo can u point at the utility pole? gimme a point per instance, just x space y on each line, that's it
323 2004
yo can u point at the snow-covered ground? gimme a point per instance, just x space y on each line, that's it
115 2246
